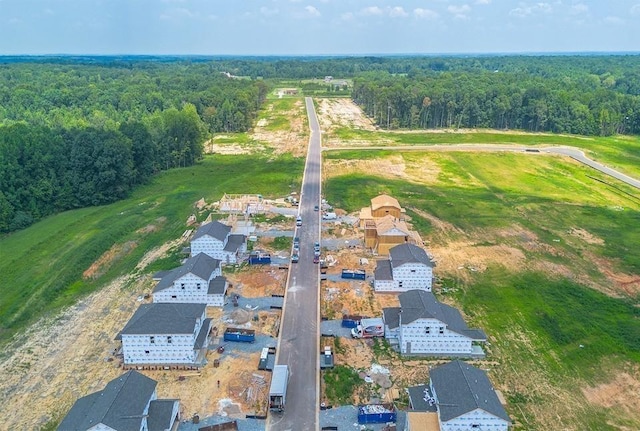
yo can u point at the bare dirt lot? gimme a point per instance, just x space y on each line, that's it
64 357
341 112
293 139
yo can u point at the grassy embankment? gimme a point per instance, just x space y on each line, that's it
618 152
537 320
42 267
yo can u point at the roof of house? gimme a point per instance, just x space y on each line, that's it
120 405
391 317
462 388
389 225
383 270
163 318
217 286
409 253
234 242
417 304
214 229
201 339
384 201
418 398
200 265
161 414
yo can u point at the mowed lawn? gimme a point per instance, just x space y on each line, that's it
553 333
42 267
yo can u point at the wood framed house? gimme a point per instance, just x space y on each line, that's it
216 240
198 281
164 333
465 399
129 402
424 326
408 267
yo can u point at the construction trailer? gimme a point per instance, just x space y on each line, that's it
278 389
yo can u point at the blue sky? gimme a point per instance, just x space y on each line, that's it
308 27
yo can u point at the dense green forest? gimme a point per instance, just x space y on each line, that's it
78 131
499 100
75 135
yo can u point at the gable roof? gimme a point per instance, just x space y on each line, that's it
161 414
391 317
384 201
163 318
383 270
389 225
234 242
409 253
418 398
120 405
417 304
217 286
200 265
462 388
214 229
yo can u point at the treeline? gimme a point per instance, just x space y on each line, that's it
500 100
45 170
74 135
104 95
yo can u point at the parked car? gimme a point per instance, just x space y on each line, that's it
316 208
299 221
316 258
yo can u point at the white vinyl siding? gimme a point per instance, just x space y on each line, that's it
414 339
161 348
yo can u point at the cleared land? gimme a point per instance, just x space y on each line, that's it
535 250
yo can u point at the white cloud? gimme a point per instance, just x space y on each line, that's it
312 10
425 13
615 20
579 8
398 12
524 9
483 1
460 12
635 9
372 10
347 16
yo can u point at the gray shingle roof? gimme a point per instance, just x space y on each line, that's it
409 253
214 229
383 270
217 285
201 339
462 388
417 304
163 318
120 405
417 399
200 265
234 242
161 414
391 317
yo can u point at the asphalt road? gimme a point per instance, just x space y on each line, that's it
299 331
572 152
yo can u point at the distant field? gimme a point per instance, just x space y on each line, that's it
620 152
536 252
42 266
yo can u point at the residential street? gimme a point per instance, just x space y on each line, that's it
299 334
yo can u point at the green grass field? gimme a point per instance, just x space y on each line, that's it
619 152
536 320
42 266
